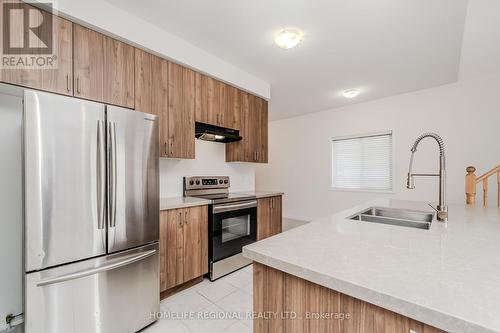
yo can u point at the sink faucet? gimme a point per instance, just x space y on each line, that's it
442 208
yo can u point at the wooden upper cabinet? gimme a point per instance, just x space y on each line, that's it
168 91
159 100
93 66
88 53
212 102
57 79
181 111
118 73
103 68
207 100
253 129
233 108
143 81
149 97
250 130
262 135
241 151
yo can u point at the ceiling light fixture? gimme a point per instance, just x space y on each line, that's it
288 38
350 93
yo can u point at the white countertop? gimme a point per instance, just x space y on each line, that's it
185 202
262 194
182 202
447 277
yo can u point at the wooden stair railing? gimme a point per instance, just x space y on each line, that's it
471 181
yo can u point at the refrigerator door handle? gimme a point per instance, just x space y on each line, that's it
101 175
113 175
96 270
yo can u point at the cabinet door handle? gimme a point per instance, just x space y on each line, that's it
257 154
222 119
186 217
180 220
272 203
166 148
67 83
78 85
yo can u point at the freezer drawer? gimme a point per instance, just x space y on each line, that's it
115 293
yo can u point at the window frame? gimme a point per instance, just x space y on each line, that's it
357 136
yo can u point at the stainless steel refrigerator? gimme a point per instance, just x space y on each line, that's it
91 216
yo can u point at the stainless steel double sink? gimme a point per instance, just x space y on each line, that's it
393 216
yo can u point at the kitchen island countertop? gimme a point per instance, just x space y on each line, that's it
447 276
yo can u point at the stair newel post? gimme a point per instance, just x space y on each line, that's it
498 188
470 185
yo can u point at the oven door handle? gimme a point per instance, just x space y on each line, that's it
222 208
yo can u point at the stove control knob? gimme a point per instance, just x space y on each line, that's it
226 181
197 182
191 182
220 181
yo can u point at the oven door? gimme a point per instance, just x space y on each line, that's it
233 226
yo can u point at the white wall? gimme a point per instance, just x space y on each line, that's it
107 18
210 161
481 43
11 207
465 114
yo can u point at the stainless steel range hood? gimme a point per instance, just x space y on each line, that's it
216 133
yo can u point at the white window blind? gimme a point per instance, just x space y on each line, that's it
363 162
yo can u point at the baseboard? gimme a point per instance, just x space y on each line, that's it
181 287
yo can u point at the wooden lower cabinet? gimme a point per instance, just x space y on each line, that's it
292 305
183 245
269 217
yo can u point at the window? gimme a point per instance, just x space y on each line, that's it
362 162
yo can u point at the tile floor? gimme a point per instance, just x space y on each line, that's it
209 307
212 307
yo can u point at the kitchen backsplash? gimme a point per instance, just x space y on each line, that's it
210 161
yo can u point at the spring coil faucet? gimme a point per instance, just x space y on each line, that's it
442 208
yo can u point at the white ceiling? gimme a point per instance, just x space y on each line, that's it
383 47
